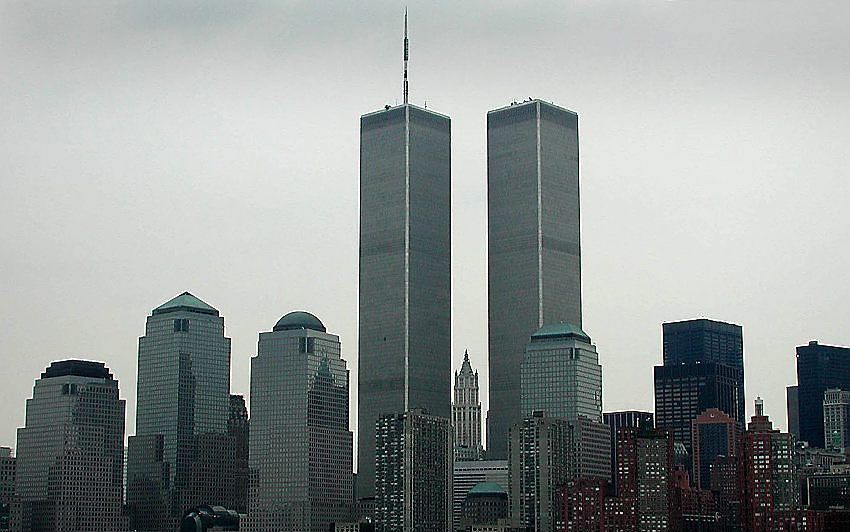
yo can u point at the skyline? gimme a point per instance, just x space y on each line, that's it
105 233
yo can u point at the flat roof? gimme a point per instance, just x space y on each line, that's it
513 105
392 107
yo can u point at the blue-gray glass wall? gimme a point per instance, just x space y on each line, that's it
70 453
819 367
703 368
301 449
534 244
182 411
405 272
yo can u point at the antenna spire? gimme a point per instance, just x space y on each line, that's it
405 56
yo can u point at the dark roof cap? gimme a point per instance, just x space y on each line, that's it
78 368
299 320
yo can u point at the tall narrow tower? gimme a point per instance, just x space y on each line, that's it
405 271
466 413
534 246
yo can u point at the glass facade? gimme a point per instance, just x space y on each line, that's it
70 453
182 411
682 392
819 367
561 375
534 247
702 340
405 271
301 448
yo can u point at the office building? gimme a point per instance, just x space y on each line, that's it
413 473
684 391
767 474
239 431
70 453
405 272
301 449
181 455
534 245
819 368
561 375
538 464
703 340
466 413
793 411
620 420
644 479
836 419
714 435
7 485
486 504
589 449
468 474
825 491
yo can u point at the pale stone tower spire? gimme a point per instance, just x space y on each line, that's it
466 413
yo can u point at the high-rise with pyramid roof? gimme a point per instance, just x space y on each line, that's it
181 452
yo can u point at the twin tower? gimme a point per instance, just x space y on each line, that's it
534 258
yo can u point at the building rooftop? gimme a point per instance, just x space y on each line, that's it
78 368
531 101
560 330
297 320
487 488
187 302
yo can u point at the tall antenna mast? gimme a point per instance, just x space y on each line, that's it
405 55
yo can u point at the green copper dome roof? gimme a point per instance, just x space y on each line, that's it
299 320
187 302
560 330
487 488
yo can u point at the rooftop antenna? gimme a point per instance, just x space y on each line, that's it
405 55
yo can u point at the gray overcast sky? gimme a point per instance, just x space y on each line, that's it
147 148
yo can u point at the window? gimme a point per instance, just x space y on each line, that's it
181 325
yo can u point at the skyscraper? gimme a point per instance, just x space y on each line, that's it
620 420
300 445
70 454
836 419
703 340
538 464
703 368
819 367
683 391
405 271
413 473
180 455
534 248
466 413
238 428
714 436
645 478
767 475
7 485
793 410
561 375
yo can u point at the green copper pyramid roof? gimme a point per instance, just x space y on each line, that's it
487 488
187 302
560 330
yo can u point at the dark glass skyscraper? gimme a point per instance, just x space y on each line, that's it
703 368
534 248
405 271
70 456
703 340
683 392
180 455
819 367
